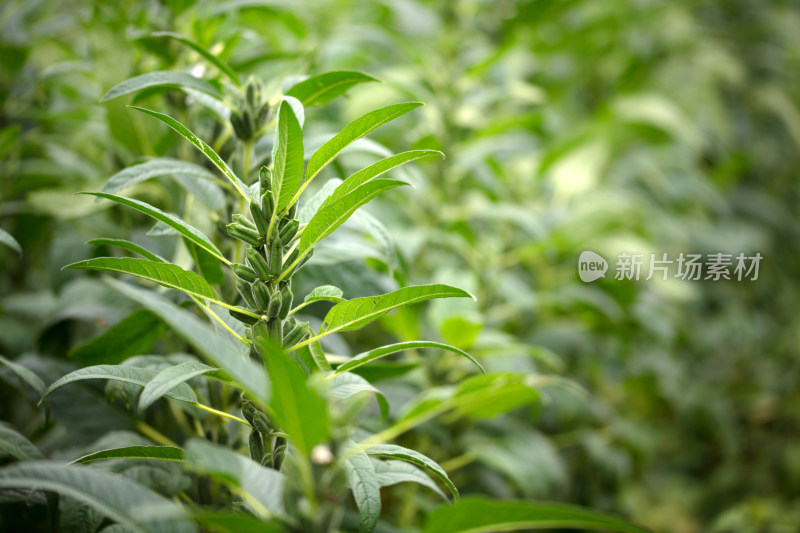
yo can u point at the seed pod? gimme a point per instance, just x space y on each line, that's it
258 263
288 325
286 301
244 272
289 230
248 410
274 327
292 257
247 125
244 289
262 222
264 180
268 204
243 233
241 317
243 220
274 307
261 294
276 257
257 450
267 459
262 423
278 456
292 211
296 335
251 93
237 124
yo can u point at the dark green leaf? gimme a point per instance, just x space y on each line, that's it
25 375
322 88
366 357
160 453
133 335
130 246
168 379
11 242
17 445
412 456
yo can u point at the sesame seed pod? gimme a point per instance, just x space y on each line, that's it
258 263
241 219
274 307
286 301
241 317
264 180
268 204
296 335
244 272
243 233
247 293
256 445
289 230
262 222
261 294
274 327
276 256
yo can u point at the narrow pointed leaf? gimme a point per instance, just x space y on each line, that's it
358 312
366 490
355 130
208 192
153 168
159 79
25 375
11 242
200 145
233 522
133 335
168 379
343 386
113 495
476 514
130 246
391 473
298 409
201 336
412 456
377 353
287 172
126 374
160 453
322 88
166 274
16 445
190 232
208 56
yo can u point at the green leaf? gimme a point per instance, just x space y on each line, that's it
128 245
17 445
363 482
8 137
113 495
480 515
298 409
325 292
375 170
190 232
25 375
343 386
201 336
391 473
353 131
261 488
377 353
152 169
11 242
328 218
412 456
287 157
358 312
223 522
133 335
207 264
168 379
161 453
211 58
208 192
200 145
166 274
159 78
126 374
322 88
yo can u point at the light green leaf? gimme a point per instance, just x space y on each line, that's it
208 56
190 232
298 409
412 456
391 473
201 336
161 453
325 292
168 379
11 242
287 157
159 78
355 130
358 312
200 145
208 192
17 445
153 168
261 488
130 246
133 335
231 522
363 482
113 495
25 375
126 374
343 386
166 274
322 88
481 515
377 353
312 205
328 218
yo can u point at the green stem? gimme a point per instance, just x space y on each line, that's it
221 413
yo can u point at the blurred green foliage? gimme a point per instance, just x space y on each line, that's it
610 126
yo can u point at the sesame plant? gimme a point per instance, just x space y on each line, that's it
276 432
